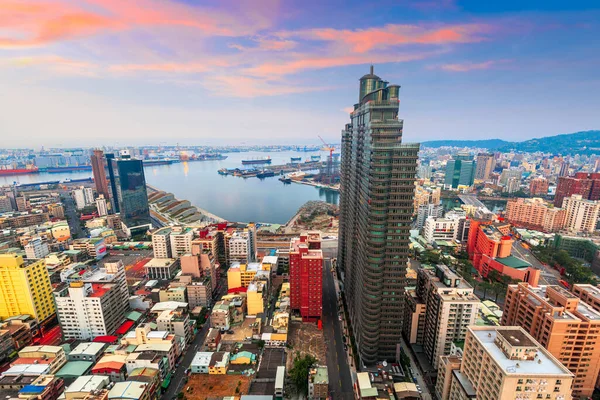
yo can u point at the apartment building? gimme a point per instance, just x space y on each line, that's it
426 195
484 166
101 206
220 316
25 288
256 297
240 275
52 356
584 184
161 243
181 241
240 248
176 321
425 211
505 362
535 214
582 214
90 309
446 306
563 324
440 229
306 275
95 247
538 186
36 248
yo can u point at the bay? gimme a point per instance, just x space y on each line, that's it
229 197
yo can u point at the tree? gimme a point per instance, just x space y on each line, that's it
498 288
299 372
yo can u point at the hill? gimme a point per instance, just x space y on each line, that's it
587 142
491 144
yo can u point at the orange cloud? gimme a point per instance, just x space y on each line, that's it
466 67
55 63
363 40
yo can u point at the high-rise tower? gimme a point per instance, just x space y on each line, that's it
99 171
376 205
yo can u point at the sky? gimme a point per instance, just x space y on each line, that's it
116 72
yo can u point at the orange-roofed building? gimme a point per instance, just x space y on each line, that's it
112 365
490 246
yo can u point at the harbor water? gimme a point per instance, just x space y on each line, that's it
229 197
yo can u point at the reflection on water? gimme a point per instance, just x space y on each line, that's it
232 198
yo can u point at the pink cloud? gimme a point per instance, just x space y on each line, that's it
466 67
55 63
363 40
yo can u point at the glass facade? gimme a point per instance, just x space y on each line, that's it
132 197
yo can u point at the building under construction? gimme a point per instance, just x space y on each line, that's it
330 171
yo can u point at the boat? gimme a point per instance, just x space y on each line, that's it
18 171
158 162
315 158
285 179
223 171
296 176
296 159
266 160
265 174
57 170
249 173
207 157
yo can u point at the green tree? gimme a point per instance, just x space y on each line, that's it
299 372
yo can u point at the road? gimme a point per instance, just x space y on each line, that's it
71 215
426 395
178 376
340 381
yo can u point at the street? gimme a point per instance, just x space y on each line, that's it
413 365
178 376
340 381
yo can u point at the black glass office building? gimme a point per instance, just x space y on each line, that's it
129 184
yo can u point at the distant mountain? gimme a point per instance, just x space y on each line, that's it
491 144
587 142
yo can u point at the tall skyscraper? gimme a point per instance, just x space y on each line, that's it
376 205
460 171
129 191
99 173
484 166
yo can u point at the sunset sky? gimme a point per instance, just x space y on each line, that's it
120 72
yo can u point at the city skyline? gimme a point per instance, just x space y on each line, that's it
97 72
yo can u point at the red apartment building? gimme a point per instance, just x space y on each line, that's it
306 275
587 185
489 246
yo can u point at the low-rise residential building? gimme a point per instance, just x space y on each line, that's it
52 356
318 383
84 386
256 297
219 363
220 316
87 351
201 362
440 229
95 247
114 366
199 291
36 248
131 390
7 345
147 359
213 340
173 293
177 322
44 387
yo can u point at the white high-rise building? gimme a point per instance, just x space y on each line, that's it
88 195
94 306
440 229
240 245
181 241
582 214
101 206
161 243
36 248
79 198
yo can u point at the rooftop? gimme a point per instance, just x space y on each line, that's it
127 390
87 383
159 262
517 337
74 368
544 364
513 262
319 375
202 358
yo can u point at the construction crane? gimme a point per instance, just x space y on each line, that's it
327 147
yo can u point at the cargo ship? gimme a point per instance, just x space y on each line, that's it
56 170
296 159
148 163
266 160
265 174
208 157
18 171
